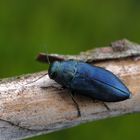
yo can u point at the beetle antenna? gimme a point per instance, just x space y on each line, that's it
47 57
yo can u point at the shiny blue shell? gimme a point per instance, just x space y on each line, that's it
89 80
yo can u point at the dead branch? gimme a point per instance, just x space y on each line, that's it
30 107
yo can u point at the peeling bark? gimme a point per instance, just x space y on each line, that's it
30 106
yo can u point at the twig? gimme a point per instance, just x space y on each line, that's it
30 108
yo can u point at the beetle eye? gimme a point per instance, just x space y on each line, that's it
53 75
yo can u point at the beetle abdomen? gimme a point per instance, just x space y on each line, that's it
98 83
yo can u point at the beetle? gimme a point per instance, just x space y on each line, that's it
88 80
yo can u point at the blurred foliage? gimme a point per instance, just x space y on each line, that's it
67 27
122 128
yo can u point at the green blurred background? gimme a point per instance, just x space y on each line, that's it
67 27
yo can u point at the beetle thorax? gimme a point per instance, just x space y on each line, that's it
62 72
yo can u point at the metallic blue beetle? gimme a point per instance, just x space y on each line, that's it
89 80
82 78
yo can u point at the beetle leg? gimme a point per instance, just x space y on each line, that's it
73 93
76 104
106 106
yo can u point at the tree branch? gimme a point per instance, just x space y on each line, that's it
30 107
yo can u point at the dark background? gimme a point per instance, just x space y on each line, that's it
67 27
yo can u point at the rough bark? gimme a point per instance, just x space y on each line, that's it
30 107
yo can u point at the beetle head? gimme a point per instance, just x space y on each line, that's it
54 69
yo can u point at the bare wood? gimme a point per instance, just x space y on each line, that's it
30 108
